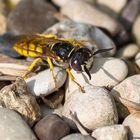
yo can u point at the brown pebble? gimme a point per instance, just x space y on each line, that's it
51 127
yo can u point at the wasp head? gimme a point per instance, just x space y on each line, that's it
82 60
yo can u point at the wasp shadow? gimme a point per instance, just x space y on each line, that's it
98 65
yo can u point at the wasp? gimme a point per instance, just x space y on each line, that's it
62 52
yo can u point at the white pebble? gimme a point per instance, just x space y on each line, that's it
43 83
104 72
137 59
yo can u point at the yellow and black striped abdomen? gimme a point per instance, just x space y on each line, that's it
28 49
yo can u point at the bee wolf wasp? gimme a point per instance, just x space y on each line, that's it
63 52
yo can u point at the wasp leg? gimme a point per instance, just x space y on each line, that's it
30 68
52 69
73 79
47 35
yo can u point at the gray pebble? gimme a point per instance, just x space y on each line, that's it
94 108
51 127
127 16
77 136
31 16
13 127
113 132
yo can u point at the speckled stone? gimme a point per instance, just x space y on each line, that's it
129 89
127 93
94 108
113 132
133 123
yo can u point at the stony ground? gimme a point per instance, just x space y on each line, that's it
109 108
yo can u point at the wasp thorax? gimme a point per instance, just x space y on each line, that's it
82 61
63 49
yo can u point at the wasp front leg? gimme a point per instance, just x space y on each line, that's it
73 79
52 69
31 67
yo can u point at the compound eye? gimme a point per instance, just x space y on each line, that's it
76 65
79 59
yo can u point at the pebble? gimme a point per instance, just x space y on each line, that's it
81 31
129 51
136 29
127 16
3 24
131 67
96 18
128 92
12 3
41 17
17 97
55 99
7 41
62 3
13 69
77 136
94 108
13 127
133 123
119 5
137 59
113 132
106 72
43 83
46 110
122 38
51 127
2 7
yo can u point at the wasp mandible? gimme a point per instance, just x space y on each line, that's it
63 52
